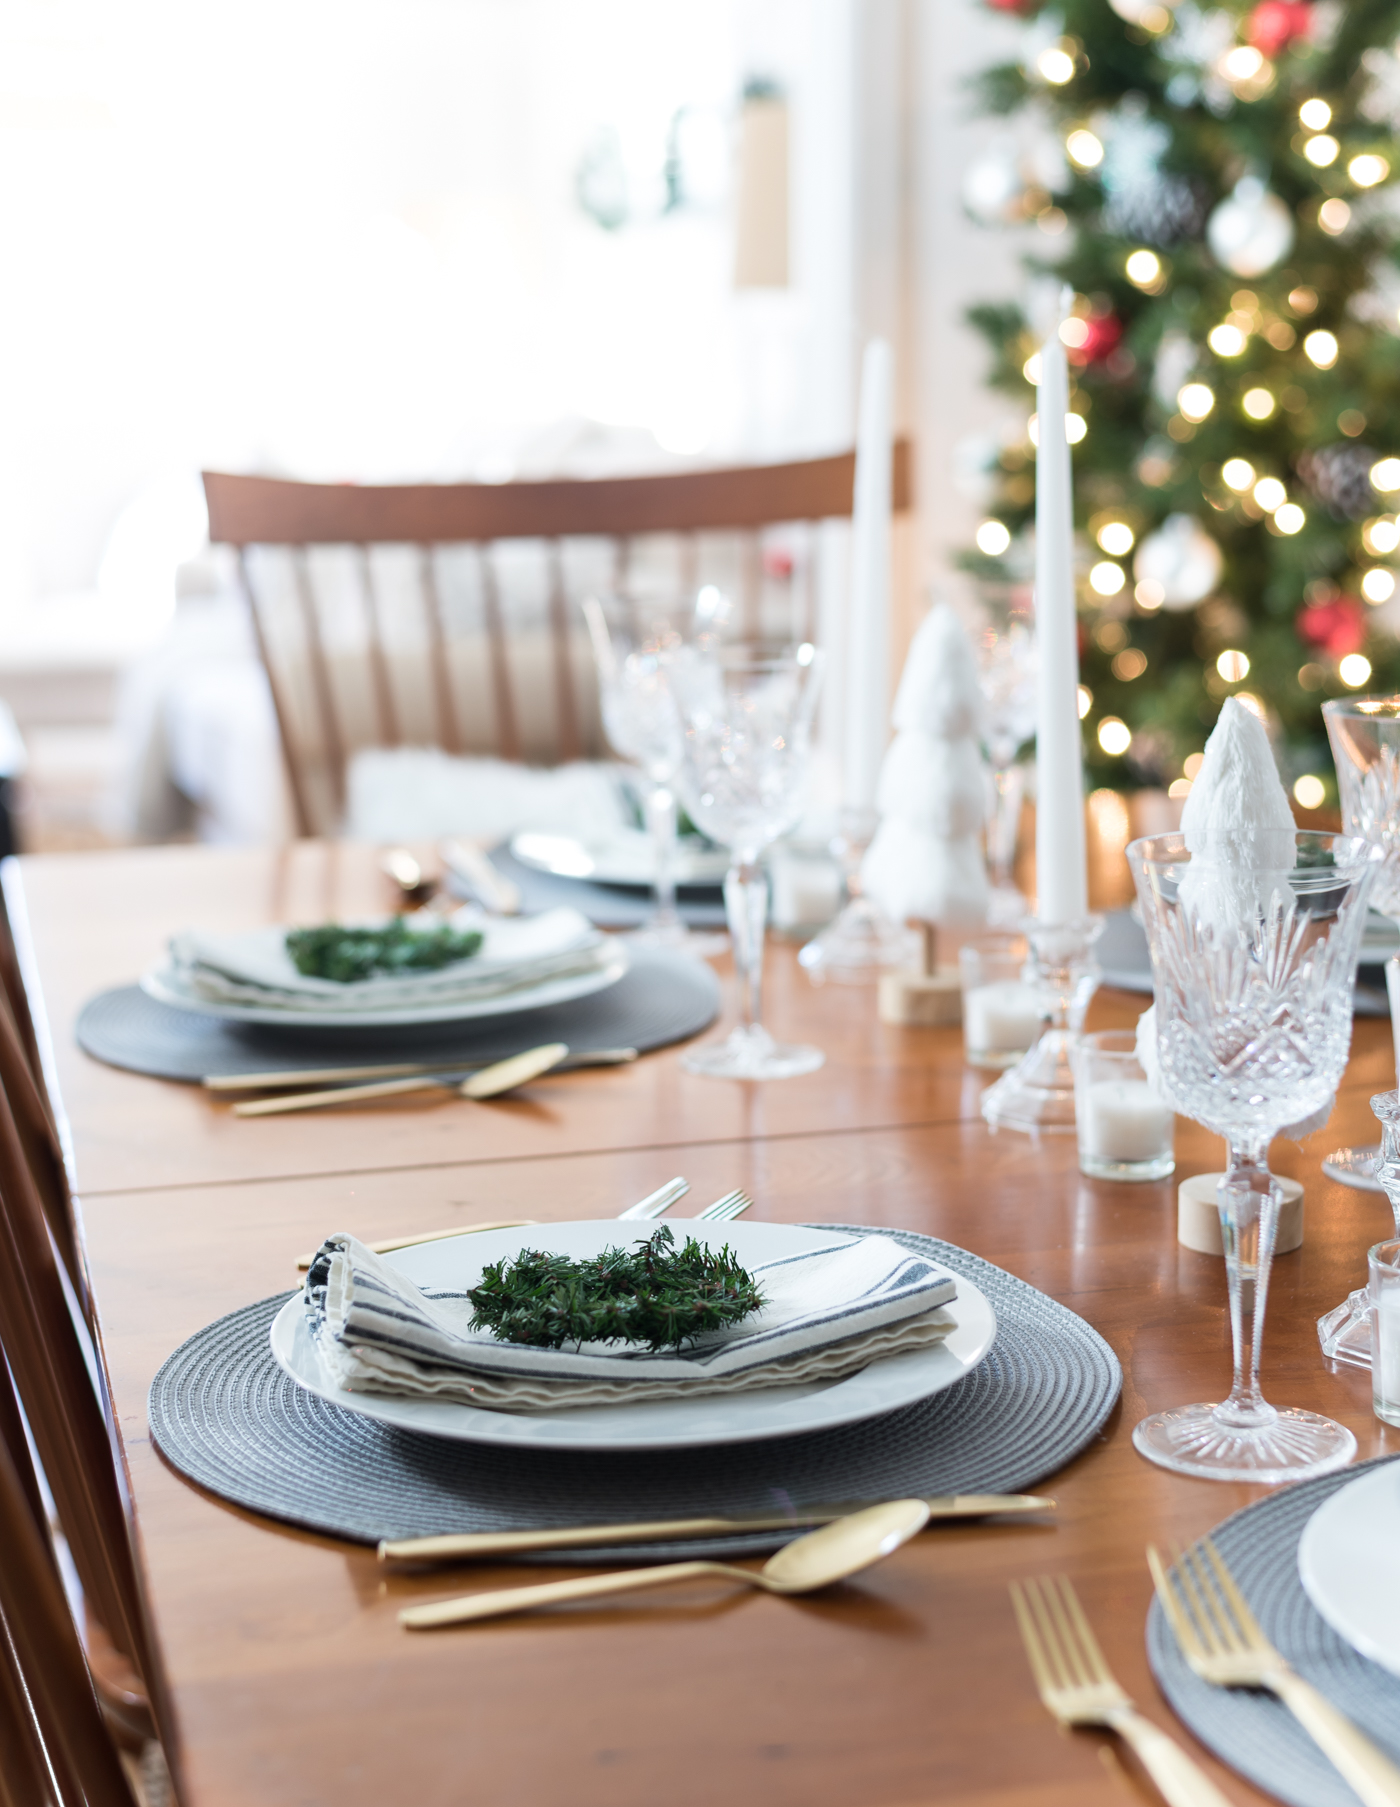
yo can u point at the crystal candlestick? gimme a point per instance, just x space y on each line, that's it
1038 1092
1345 1332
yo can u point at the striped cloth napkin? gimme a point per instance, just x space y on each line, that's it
830 1310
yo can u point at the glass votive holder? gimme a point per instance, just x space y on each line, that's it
1384 1290
1124 1124
1001 1013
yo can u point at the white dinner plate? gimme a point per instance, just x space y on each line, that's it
166 985
624 858
1348 1567
884 1386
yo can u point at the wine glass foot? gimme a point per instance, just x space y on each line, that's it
1345 1332
1355 1167
1199 1440
856 946
752 1054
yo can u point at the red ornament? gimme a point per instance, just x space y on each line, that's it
1336 628
1103 333
1275 24
1024 7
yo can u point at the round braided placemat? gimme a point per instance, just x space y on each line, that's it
1248 1729
663 997
227 1416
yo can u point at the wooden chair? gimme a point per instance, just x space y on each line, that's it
55 1749
446 614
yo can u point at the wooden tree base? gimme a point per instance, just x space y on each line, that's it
921 1000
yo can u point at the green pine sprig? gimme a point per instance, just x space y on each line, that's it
344 954
652 1293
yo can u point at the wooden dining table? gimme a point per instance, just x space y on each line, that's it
290 1681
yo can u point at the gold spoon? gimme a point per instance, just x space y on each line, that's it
488 1082
809 1562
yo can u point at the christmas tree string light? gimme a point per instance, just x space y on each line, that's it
1234 364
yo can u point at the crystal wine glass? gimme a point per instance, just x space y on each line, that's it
1252 971
643 726
747 723
1006 666
1365 736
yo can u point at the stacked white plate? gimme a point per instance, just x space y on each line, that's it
1348 1566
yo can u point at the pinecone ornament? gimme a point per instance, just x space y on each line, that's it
1340 477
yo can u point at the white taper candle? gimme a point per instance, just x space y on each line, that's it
1062 890
867 676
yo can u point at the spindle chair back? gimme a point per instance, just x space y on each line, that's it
447 615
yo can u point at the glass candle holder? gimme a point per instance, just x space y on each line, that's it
1124 1124
1001 1011
1384 1288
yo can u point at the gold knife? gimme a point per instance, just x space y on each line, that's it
469 1545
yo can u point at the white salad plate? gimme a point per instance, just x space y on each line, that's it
456 1264
167 986
1348 1568
624 858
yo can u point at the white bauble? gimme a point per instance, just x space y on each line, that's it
1176 358
1251 230
1181 557
994 188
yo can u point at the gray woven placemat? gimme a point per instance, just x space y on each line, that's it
1249 1730
226 1416
662 998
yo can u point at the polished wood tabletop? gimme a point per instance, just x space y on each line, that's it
291 1681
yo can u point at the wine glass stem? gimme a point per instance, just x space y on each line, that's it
1248 1199
746 906
1006 820
661 826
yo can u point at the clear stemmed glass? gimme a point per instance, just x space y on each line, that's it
1006 666
747 724
1365 736
643 725
1252 972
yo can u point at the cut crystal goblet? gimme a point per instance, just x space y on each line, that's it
1252 971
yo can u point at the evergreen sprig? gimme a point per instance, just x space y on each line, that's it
334 951
652 1293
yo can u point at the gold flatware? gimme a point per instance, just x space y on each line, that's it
488 1082
839 1549
652 1206
400 868
440 1072
1078 1688
473 1545
1222 1641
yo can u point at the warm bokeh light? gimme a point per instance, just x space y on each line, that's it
993 537
1056 65
1115 736
1354 671
1075 428
1381 536
1378 585
1144 268
1086 700
1226 341
1116 537
1242 64
1030 370
1290 518
1149 594
1368 169
1316 115
1195 401
1179 787
1309 792
1129 664
1321 150
1385 475
1233 666
1270 494
1192 764
1258 404
1084 149
1255 705
1106 578
1074 332
1322 348
1238 473
1334 216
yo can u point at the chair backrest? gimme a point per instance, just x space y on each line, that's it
446 614
55 1749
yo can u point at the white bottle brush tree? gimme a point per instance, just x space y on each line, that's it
925 864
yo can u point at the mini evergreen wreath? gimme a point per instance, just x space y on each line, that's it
653 1293
344 954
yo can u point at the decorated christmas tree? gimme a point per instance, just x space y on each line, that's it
1217 186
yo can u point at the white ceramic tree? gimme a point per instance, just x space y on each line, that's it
925 863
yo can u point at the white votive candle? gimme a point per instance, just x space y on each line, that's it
1001 1018
1125 1120
1385 1355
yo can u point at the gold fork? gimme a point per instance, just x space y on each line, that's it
1222 1641
1078 1687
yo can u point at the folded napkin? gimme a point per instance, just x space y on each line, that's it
830 1311
255 968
